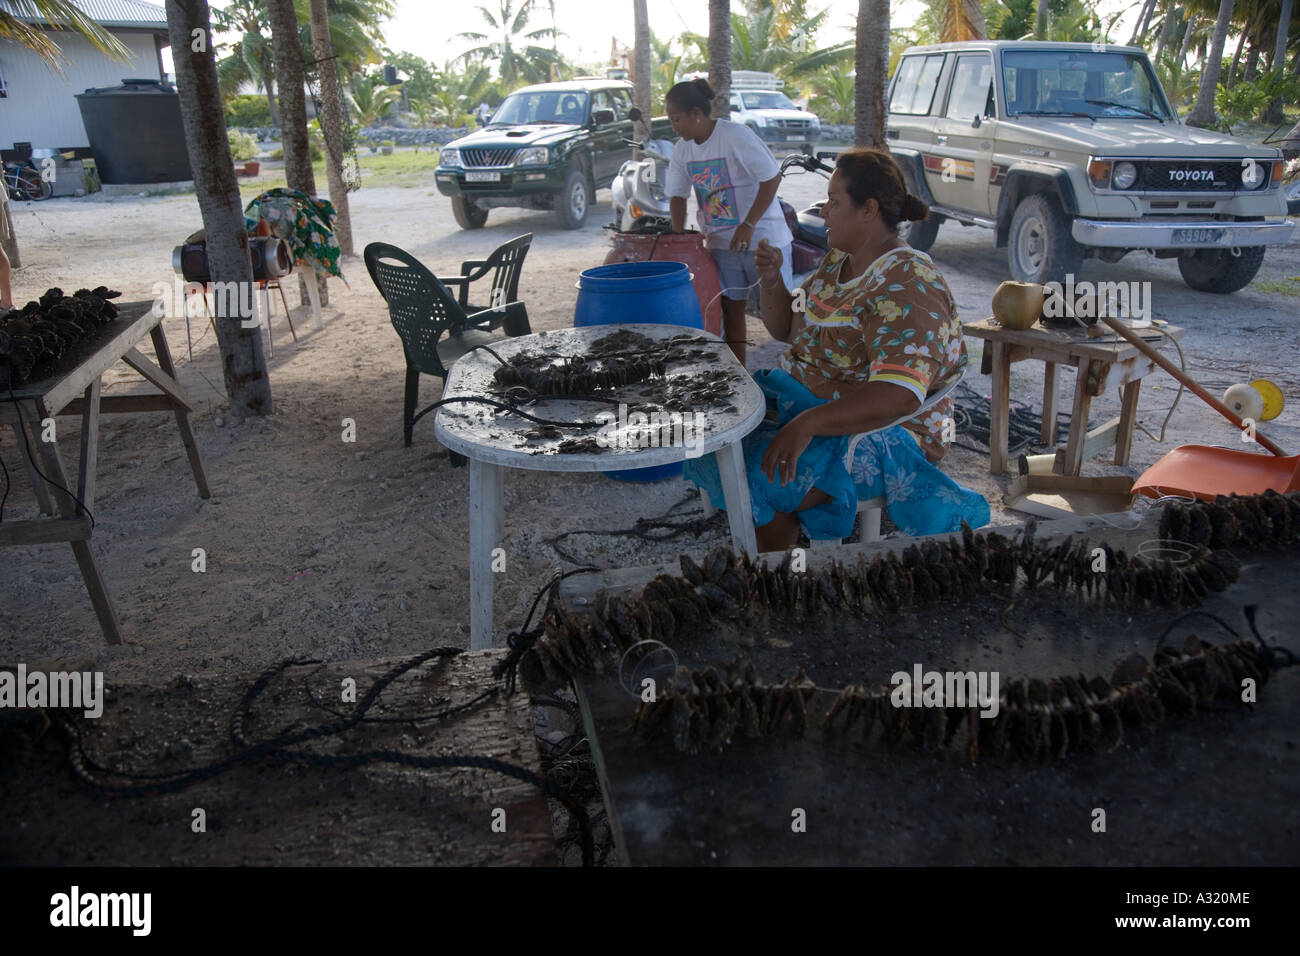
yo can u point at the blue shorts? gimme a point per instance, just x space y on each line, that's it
737 273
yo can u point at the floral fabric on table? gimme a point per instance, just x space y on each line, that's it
305 222
896 322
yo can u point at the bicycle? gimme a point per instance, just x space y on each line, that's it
23 181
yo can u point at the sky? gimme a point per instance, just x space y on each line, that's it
428 28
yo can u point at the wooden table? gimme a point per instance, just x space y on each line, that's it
1101 364
76 391
494 440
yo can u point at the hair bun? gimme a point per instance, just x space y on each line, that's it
914 210
702 85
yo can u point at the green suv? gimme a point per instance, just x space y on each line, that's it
549 146
1070 151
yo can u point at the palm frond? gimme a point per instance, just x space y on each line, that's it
60 14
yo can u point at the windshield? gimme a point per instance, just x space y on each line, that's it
1052 82
543 106
766 101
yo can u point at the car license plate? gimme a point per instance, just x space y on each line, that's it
482 177
1188 236
794 139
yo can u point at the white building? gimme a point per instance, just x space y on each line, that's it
38 105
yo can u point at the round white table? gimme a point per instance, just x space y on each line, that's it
493 439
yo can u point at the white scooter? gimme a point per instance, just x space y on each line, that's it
638 189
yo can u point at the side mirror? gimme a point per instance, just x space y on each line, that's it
634 115
601 117
977 122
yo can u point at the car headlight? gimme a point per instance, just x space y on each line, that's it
1125 175
451 157
532 156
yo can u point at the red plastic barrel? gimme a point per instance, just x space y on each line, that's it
686 247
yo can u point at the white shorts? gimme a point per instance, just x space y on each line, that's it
737 273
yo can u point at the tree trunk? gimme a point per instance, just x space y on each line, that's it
720 56
1236 60
962 20
1187 39
641 70
871 65
271 104
1138 27
1252 60
1040 20
1202 113
242 362
293 114
1283 28
1166 24
1273 112
331 122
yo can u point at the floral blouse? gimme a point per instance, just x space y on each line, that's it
896 322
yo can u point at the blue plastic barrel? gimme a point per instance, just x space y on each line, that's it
655 292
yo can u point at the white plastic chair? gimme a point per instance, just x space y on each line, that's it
872 508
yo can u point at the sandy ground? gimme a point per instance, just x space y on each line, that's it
316 546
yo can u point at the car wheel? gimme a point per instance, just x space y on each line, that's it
1041 248
920 235
468 213
1218 270
574 200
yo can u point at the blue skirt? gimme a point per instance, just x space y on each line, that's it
920 498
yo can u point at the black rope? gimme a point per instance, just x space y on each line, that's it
644 528
519 642
277 748
504 406
22 429
971 415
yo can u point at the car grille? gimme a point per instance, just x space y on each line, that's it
502 156
791 123
1204 176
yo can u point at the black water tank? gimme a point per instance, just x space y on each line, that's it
136 133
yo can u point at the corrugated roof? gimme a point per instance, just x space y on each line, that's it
107 13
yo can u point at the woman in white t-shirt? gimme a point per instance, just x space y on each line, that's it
735 178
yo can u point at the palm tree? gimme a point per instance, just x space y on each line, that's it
242 361
1202 113
251 58
331 121
369 99
833 91
963 20
720 56
354 30
641 87
15 26
870 64
512 46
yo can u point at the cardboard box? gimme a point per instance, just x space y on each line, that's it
1064 496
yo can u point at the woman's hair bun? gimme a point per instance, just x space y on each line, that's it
914 210
701 84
